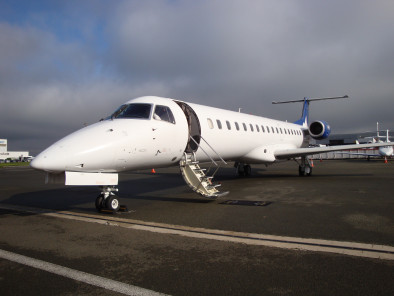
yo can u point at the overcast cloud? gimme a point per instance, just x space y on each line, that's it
64 64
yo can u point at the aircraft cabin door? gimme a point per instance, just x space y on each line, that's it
194 127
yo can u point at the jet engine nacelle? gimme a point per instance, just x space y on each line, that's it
319 130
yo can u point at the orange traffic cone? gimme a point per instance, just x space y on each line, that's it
385 160
153 171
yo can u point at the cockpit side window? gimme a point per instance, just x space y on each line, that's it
136 110
163 113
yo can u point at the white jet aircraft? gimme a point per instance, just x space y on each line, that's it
152 132
383 151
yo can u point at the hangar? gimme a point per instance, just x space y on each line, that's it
5 154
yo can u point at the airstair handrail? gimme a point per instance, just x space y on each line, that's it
217 154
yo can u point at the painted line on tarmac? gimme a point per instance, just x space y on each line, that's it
284 242
77 275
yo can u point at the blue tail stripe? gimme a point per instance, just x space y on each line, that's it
305 114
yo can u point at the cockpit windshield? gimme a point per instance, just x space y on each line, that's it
136 110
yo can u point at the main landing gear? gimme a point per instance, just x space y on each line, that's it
243 170
305 167
107 200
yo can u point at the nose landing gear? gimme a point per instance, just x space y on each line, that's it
108 201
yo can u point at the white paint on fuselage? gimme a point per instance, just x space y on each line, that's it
120 144
237 145
386 151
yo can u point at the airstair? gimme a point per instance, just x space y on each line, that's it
198 179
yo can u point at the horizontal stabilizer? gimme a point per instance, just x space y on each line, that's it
304 120
309 99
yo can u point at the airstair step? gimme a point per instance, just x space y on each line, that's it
196 177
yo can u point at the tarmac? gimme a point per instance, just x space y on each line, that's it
275 233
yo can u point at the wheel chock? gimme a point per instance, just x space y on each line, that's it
122 208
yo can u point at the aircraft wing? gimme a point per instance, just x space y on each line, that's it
360 154
291 153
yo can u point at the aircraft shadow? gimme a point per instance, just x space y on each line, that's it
169 187
166 187
259 173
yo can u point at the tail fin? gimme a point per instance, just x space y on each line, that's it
304 120
379 136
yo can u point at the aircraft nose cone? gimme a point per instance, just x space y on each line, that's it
45 162
37 163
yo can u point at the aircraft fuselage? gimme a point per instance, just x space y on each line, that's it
120 144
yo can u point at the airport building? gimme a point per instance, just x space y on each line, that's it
5 154
348 139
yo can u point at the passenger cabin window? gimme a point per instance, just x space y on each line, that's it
272 128
257 128
236 126
251 127
219 123
268 129
136 110
262 128
163 113
210 123
245 128
228 124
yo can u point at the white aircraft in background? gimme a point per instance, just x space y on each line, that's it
151 132
384 151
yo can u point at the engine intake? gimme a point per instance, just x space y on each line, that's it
319 130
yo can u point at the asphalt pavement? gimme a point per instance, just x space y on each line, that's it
172 241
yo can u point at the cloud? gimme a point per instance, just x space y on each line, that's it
64 64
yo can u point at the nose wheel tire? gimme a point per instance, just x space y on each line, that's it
112 203
100 202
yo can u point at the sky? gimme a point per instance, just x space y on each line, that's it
66 64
